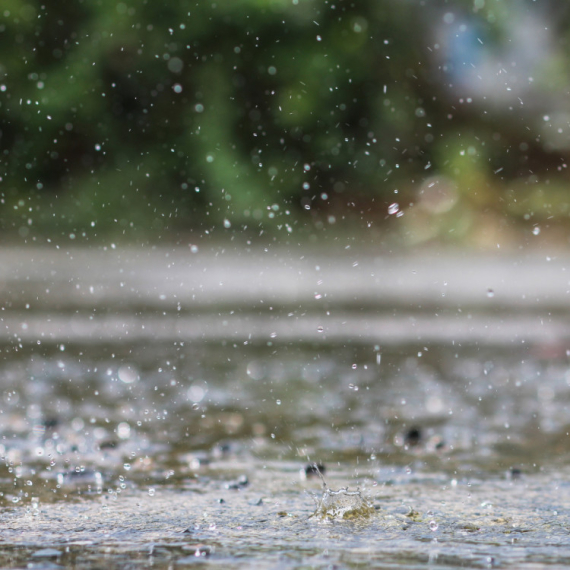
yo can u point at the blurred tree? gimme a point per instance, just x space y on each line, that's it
140 115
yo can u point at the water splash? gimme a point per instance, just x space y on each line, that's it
341 504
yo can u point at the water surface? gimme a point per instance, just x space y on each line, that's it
149 420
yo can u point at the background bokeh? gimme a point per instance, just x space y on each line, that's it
428 120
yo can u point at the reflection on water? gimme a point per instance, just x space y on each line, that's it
176 450
120 409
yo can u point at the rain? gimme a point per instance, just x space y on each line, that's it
284 284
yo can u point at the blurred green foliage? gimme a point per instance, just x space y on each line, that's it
154 116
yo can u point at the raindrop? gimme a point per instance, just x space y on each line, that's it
151 492
320 329
227 224
354 366
127 374
536 230
124 430
433 526
353 387
490 293
393 208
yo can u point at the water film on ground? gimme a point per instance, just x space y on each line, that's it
263 409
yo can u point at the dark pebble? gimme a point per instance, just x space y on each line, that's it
413 436
514 473
242 481
312 470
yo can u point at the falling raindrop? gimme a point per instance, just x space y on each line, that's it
127 374
393 208
320 329
433 526
490 293
536 230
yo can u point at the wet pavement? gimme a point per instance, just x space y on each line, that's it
163 407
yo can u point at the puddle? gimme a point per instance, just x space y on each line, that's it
139 450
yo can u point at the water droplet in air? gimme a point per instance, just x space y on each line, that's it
433 526
320 329
227 224
354 366
353 387
536 230
393 208
127 374
151 492
490 293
